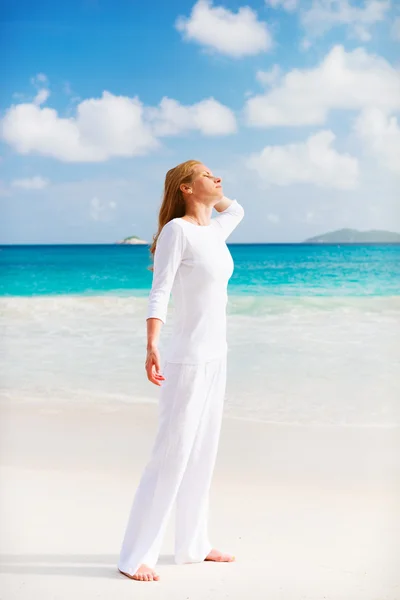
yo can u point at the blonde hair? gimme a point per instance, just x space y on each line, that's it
173 203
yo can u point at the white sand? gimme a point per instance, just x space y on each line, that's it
310 512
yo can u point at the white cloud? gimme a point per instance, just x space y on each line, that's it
314 161
100 210
41 97
395 31
96 209
380 136
109 126
39 79
344 80
31 183
40 82
104 127
67 88
208 116
327 14
232 34
269 77
289 5
19 96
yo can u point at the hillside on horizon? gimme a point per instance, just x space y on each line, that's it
353 236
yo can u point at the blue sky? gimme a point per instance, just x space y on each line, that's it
294 103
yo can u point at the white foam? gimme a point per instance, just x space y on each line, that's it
291 360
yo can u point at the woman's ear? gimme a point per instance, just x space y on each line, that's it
185 188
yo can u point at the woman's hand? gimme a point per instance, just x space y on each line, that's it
152 366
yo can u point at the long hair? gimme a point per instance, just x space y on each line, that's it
173 203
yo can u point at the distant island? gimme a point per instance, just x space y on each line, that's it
353 236
133 239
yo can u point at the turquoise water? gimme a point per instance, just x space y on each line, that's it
260 270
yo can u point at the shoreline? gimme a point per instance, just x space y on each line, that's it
113 405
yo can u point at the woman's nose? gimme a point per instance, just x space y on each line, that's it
218 179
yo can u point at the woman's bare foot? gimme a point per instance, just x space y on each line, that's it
217 556
144 573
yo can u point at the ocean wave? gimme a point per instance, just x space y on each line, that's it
256 306
250 306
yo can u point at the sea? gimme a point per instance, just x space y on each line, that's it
313 330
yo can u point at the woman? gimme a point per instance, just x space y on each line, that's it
191 260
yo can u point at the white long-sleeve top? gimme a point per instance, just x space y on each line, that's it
194 263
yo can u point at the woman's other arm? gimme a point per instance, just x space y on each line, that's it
230 215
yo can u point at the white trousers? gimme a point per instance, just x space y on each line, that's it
180 467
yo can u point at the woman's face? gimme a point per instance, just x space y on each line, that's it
205 183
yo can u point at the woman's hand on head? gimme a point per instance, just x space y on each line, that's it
152 366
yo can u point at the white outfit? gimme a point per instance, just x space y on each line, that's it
192 261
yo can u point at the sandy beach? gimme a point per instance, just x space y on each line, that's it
310 512
214 180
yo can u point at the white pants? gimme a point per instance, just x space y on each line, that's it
180 467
